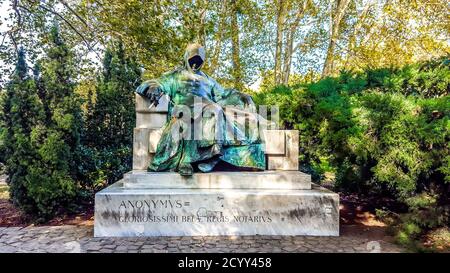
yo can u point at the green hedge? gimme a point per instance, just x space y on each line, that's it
383 131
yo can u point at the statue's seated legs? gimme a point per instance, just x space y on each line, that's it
281 146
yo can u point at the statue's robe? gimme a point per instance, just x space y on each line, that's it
218 131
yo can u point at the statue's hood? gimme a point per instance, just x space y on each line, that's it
194 57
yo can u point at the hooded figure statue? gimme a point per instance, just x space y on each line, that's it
208 126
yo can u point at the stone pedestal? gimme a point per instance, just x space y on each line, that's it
278 201
265 203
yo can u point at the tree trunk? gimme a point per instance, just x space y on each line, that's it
288 58
237 68
281 14
356 31
218 46
329 60
341 7
289 47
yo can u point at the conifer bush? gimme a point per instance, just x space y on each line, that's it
42 123
21 112
55 157
110 119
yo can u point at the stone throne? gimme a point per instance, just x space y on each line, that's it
279 201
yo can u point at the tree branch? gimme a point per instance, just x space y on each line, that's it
74 12
67 22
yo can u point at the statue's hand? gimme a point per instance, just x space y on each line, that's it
151 90
155 95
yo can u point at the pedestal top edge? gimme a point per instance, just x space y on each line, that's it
118 188
266 172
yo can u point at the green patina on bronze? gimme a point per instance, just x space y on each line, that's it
185 86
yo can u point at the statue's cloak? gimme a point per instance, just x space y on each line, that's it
206 123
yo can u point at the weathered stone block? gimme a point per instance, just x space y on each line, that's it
152 120
155 136
274 180
288 161
209 212
274 142
141 156
142 104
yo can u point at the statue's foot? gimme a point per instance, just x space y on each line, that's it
185 170
208 166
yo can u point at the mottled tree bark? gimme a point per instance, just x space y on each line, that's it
235 47
289 46
339 12
281 17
